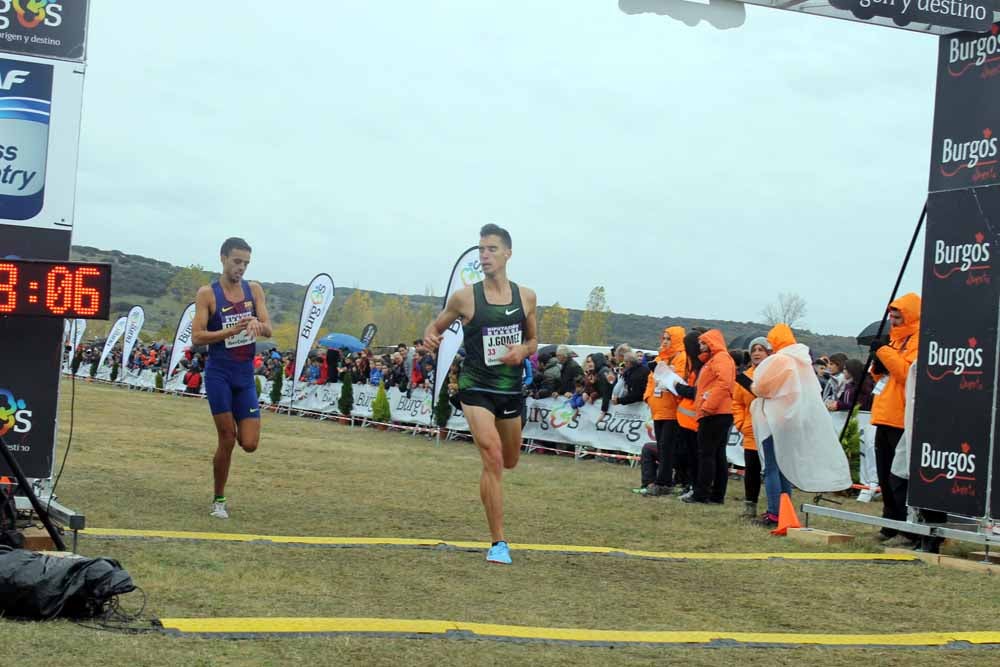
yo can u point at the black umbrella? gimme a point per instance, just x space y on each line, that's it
546 352
869 334
264 346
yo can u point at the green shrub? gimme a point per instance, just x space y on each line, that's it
852 445
442 409
279 379
381 412
346 402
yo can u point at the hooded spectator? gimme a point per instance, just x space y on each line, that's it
663 407
793 429
893 359
714 408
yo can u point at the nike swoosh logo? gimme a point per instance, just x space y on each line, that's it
226 310
255 410
511 412
511 312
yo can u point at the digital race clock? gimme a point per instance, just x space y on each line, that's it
43 288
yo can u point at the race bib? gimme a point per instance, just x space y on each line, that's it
242 338
497 342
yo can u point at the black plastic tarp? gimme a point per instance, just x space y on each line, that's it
40 587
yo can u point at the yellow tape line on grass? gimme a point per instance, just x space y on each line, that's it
382 626
561 548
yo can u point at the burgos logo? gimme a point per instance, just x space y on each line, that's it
947 464
472 273
964 257
14 413
968 154
318 294
562 415
963 56
31 13
946 361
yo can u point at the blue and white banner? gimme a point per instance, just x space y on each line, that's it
182 338
133 325
318 299
113 336
467 271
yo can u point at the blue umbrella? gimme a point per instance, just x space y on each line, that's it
341 341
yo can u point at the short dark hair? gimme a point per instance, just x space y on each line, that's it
496 230
419 341
234 243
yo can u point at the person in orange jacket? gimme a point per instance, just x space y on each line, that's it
714 408
893 359
663 406
760 349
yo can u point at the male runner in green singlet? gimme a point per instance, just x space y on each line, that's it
498 319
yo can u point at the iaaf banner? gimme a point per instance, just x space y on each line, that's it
44 28
182 338
467 271
113 336
965 151
133 325
317 301
955 391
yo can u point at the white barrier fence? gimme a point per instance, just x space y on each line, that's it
625 428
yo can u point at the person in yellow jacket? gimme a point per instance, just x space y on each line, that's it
663 406
760 349
893 359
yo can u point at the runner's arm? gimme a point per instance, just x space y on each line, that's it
518 353
200 335
459 306
259 326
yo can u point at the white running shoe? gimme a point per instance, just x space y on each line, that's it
219 511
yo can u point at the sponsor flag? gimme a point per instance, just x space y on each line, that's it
116 332
368 335
81 327
467 271
133 325
182 339
318 299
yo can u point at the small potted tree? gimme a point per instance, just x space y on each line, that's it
276 383
159 380
346 401
114 371
93 367
381 412
442 411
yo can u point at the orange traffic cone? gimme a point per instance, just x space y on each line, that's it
787 518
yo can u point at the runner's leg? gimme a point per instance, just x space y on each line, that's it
483 425
510 437
226 428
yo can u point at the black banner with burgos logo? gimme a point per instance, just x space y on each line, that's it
955 392
965 152
44 28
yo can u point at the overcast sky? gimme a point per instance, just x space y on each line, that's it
691 171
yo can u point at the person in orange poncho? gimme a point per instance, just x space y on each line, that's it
714 408
893 359
760 349
663 406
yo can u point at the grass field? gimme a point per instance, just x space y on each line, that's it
142 461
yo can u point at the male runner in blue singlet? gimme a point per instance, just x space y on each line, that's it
229 316
499 324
